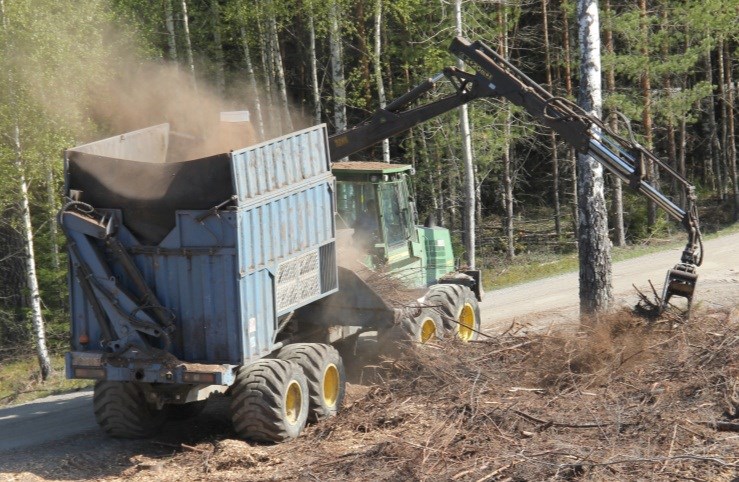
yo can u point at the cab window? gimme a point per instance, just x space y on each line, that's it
394 219
351 198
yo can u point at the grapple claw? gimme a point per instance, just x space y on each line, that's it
680 281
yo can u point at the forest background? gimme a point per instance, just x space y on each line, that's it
74 72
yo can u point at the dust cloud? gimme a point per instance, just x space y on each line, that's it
110 89
154 93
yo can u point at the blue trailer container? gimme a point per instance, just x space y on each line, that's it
183 272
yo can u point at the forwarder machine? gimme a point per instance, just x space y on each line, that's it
497 77
227 273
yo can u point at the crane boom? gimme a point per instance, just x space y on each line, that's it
497 77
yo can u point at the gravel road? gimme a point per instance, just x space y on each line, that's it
42 425
555 300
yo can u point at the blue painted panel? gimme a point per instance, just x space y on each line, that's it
258 315
264 168
227 277
284 227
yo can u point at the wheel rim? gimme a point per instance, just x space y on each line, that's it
428 330
293 402
331 385
466 323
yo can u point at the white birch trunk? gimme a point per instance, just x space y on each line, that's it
314 70
279 70
378 72
593 242
37 318
507 164
274 124
188 44
337 69
31 279
469 171
171 35
253 84
266 62
508 185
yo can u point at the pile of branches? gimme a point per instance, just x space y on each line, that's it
625 399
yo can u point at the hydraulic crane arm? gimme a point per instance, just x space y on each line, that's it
393 120
624 158
496 77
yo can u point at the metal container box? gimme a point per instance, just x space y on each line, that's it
227 243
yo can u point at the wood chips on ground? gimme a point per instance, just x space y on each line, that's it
625 400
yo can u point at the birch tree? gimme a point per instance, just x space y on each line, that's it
378 72
552 135
315 88
593 243
646 88
188 43
507 164
469 169
279 70
36 314
731 141
252 80
171 35
337 67
215 23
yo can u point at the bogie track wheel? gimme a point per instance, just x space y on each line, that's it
446 300
324 371
468 317
269 401
425 327
122 411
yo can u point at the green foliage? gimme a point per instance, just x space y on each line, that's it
58 53
20 381
53 55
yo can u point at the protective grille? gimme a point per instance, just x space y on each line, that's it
329 277
298 279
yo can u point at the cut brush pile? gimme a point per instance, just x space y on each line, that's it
624 400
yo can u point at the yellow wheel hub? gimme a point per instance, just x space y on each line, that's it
331 384
293 402
428 330
466 327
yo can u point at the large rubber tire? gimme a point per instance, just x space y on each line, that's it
459 309
324 368
122 411
446 299
185 411
468 317
425 327
269 401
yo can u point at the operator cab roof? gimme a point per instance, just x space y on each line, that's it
361 167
